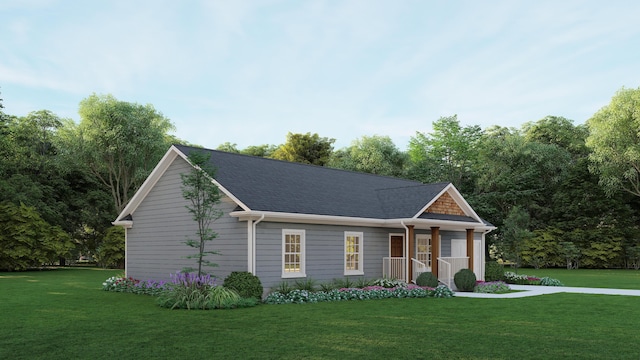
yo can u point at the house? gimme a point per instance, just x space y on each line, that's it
284 220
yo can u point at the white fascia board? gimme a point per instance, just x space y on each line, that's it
149 183
355 221
455 194
222 188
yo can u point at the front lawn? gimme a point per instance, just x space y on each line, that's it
64 314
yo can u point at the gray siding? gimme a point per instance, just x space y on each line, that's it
161 224
324 251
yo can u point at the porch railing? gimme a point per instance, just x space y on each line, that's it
449 266
394 268
418 267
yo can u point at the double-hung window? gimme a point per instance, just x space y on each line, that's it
293 254
353 253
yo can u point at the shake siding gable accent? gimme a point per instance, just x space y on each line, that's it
155 246
445 205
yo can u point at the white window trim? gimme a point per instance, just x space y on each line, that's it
360 253
301 273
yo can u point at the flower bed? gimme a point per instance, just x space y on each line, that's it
491 287
366 293
522 279
131 285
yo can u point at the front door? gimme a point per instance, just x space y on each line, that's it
397 246
397 265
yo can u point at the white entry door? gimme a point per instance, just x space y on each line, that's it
458 248
477 259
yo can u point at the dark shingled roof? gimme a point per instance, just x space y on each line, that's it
272 185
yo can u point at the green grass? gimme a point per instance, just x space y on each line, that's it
64 314
596 278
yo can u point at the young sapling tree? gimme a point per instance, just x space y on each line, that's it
203 194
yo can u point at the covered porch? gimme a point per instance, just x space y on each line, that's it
411 255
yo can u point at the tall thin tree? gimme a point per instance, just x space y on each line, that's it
203 194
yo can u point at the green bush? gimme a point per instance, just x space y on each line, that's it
547 281
493 271
465 280
427 279
245 284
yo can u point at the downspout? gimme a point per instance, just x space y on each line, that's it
253 243
406 250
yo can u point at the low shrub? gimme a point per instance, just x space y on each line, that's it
427 279
493 271
465 280
442 291
491 287
547 281
245 284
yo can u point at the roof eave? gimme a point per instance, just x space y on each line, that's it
356 221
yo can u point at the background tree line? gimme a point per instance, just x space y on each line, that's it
560 194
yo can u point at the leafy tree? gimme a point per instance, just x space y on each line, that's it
111 251
229 147
571 254
371 154
541 249
120 143
514 235
253 150
264 150
557 130
203 195
306 149
615 142
513 171
447 154
26 240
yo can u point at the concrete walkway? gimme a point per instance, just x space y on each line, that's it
532 290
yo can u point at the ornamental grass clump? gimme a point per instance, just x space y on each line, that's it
191 291
187 291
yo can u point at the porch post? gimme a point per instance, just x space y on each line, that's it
411 234
470 252
435 249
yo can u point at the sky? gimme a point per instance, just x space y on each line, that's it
249 72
